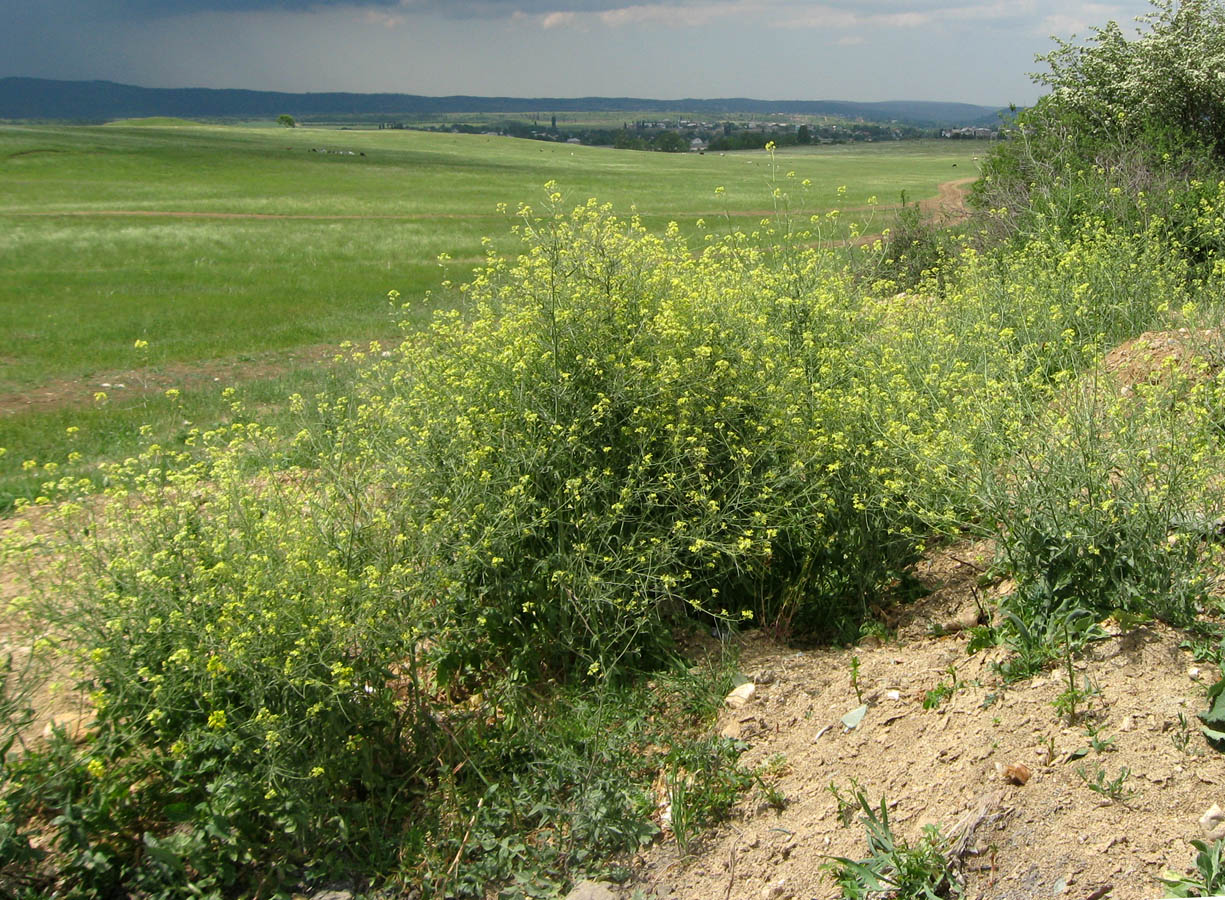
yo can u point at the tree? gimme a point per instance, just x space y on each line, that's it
670 142
803 135
1169 77
627 140
286 120
1126 116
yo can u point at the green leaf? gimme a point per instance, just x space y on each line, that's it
179 812
1214 717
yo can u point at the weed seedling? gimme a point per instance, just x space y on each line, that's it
855 679
1049 744
846 806
1112 790
1182 735
1073 702
767 776
937 695
1099 743
681 811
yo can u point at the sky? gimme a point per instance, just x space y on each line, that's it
861 50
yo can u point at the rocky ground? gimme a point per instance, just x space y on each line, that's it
994 765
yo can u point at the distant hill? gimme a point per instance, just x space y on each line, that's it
101 101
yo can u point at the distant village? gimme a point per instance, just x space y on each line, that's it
686 135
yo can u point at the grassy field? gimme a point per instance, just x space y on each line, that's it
238 253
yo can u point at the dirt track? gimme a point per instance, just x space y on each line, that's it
949 204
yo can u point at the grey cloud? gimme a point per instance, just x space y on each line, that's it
158 9
145 10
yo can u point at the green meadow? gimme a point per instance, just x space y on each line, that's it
239 255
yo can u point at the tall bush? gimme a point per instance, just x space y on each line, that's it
617 431
1131 130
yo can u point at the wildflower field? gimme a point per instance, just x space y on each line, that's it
420 630
244 256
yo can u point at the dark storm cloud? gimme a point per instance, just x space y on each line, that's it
156 9
970 50
127 10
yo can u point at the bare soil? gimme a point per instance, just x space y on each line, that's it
1051 837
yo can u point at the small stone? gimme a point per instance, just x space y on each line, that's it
1127 724
732 730
775 890
1017 773
1213 823
893 695
765 677
740 696
964 620
1193 673
591 890
332 895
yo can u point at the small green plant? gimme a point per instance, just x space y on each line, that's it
772 795
1097 741
1049 746
921 871
983 637
855 679
1204 648
846 805
767 776
942 691
681 813
1182 736
1073 701
874 628
702 785
1208 878
937 695
1113 790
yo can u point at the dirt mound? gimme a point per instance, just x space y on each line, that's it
1054 836
1148 358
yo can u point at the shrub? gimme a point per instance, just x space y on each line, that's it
1113 507
1130 130
284 662
257 710
406 635
618 430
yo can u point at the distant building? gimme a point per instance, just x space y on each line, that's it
970 133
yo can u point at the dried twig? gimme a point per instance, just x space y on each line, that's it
965 562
